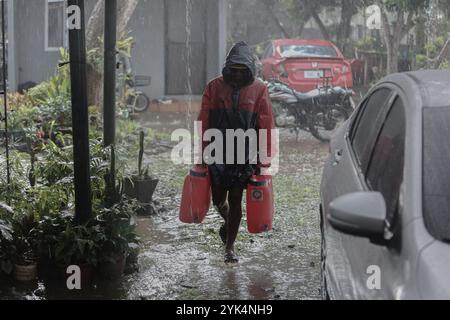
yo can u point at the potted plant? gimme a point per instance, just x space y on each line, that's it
141 186
48 234
61 243
117 232
25 257
77 245
25 267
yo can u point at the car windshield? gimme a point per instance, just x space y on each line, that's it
289 51
436 172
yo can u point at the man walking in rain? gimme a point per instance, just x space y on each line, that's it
235 101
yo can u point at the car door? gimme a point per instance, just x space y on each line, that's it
343 174
385 173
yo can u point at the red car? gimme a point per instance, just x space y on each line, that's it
303 64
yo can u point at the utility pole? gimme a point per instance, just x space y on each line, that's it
109 108
80 118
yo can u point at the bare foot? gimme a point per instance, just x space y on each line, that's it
230 257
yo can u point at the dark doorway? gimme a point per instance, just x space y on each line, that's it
176 47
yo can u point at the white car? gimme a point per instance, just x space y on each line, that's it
385 194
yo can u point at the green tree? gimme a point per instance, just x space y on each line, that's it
398 17
303 10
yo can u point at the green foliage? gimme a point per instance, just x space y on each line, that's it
433 49
7 248
23 118
15 191
77 245
445 65
51 200
405 5
24 242
371 43
63 243
117 230
42 192
58 163
103 239
95 55
56 87
127 131
44 108
47 234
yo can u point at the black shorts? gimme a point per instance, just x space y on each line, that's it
231 176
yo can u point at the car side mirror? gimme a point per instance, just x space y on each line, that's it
361 214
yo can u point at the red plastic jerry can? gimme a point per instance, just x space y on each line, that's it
196 198
260 204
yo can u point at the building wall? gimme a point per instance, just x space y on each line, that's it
34 63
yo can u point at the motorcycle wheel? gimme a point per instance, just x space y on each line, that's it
341 115
142 103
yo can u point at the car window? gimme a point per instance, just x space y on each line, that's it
385 171
436 172
268 52
367 125
295 50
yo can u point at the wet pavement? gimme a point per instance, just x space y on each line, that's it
179 261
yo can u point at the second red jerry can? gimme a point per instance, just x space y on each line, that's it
196 198
260 204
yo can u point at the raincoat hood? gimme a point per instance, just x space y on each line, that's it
240 54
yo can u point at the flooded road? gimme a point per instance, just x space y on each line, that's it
179 261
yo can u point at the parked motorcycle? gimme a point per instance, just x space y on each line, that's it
320 111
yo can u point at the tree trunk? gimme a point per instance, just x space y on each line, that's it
95 26
389 31
126 10
345 26
322 27
302 24
421 37
269 8
94 32
394 33
392 59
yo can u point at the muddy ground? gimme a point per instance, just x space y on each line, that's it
180 261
